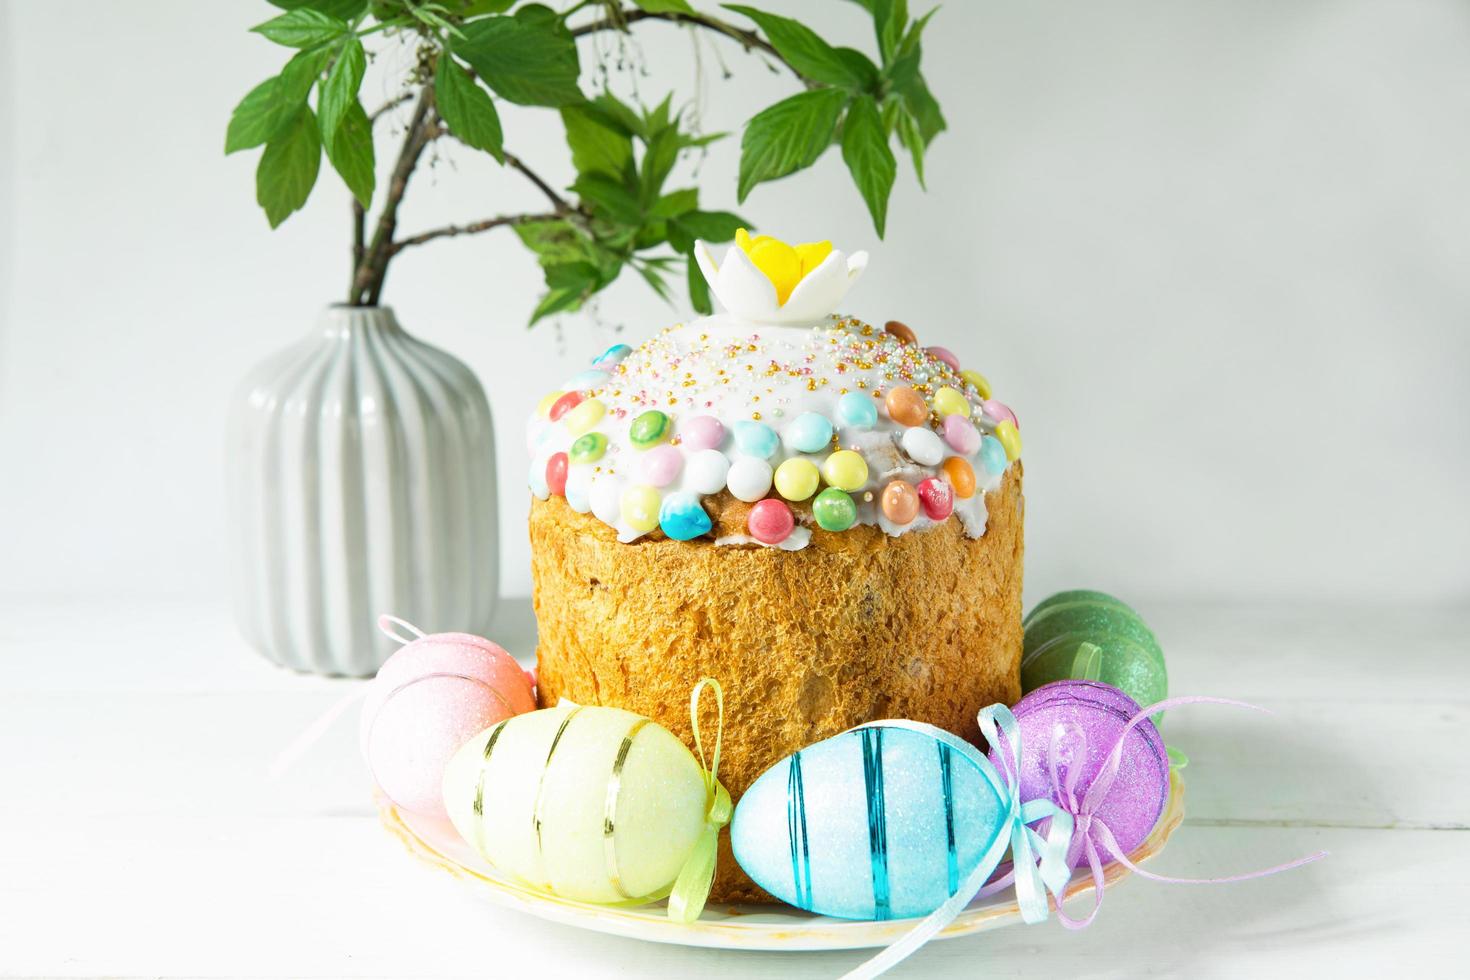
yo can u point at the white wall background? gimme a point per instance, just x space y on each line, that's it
1213 251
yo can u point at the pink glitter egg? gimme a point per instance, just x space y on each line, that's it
946 355
702 432
961 436
660 465
936 497
556 474
1000 412
431 697
770 521
565 404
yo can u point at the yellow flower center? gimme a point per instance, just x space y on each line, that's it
783 264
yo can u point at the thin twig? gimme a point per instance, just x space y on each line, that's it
557 201
749 40
359 246
368 283
473 228
389 106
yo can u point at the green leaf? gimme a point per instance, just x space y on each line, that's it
890 17
651 275
908 132
342 9
610 197
302 28
467 108
616 115
350 149
923 107
288 168
598 142
554 242
865 150
339 92
525 61
698 288
788 136
658 160
905 68
664 6
811 56
712 226
675 203
253 123
568 285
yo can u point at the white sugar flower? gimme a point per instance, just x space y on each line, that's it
765 280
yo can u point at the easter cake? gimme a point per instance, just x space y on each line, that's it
823 514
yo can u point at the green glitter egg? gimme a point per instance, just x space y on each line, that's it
649 429
588 448
1085 635
834 510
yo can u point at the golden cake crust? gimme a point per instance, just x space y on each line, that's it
855 627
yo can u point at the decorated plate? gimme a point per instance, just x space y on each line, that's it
769 927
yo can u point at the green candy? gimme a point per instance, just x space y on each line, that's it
834 510
588 448
649 429
1084 635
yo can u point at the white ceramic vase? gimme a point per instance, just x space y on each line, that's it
362 481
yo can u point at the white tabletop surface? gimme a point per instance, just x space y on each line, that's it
139 836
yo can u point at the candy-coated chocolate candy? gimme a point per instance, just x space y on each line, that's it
900 330
834 510
936 497
681 517
906 406
961 476
770 521
922 445
701 432
706 470
536 479
1000 411
589 447
1010 438
809 432
586 381
858 410
977 381
584 416
649 429
579 486
606 498
900 502
961 435
749 478
845 470
756 439
612 355
556 474
797 478
564 404
640 508
993 455
543 407
536 432
661 465
946 355
948 401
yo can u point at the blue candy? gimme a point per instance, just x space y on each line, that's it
809 433
756 439
612 355
682 518
857 410
993 455
588 379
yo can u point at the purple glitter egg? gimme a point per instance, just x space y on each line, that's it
1083 721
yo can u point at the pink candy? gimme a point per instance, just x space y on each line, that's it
565 404
660 465
1000 412
946 355
702 432
961 436
937 498
556 474
770 521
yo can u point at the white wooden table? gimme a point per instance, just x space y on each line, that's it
139 837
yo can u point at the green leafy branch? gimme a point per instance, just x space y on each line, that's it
618 212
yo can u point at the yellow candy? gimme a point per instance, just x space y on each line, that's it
1010 438
812 254
640 508
977 380
947 401
582 418
797 478
543 408
845 470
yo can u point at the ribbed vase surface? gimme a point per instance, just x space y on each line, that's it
362 481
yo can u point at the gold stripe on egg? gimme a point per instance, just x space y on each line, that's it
479 805
536 816
610 809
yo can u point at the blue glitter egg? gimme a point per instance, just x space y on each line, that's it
857 410
809 433
756 439
993 455
880 822
586 381
682 518
611 356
